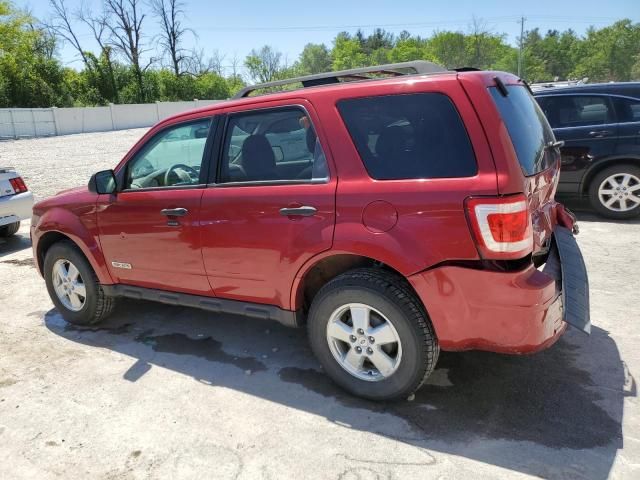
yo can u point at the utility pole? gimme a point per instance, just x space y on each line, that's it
520 52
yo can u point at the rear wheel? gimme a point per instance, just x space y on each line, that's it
74 287
615 192
372 335
9 230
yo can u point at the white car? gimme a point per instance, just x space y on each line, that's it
16 201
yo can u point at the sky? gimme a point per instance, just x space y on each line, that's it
233 28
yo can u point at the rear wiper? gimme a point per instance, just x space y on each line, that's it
556 144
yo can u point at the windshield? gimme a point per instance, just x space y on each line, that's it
528 128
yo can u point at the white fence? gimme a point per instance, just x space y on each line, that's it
43 122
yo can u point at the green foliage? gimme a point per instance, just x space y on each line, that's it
31 75
315 58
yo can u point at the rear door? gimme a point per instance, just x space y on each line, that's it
587 124
271 205
628 115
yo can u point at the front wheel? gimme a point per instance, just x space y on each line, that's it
74 287
372 335
615 192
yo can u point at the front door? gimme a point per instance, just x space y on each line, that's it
272 207
149 231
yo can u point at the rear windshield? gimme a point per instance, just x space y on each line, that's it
409 136
528 128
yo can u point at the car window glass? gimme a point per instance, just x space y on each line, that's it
409 136
528 129
565 111
628 109
171 158
279 144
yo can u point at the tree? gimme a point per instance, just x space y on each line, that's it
449 49
264 65
104 63
169 13
347 52
61 26
608 54
125 25
315 58
29 74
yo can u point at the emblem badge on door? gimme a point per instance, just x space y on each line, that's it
126 266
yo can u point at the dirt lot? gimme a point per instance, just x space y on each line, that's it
162 392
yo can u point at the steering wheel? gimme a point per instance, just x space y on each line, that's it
190 171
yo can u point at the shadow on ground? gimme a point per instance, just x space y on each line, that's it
14 244
584 212
566 402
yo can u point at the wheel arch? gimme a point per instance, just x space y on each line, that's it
325 267
61 225
606 163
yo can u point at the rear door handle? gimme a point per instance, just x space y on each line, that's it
305 211
174 212
600 133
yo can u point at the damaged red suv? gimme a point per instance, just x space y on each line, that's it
395 211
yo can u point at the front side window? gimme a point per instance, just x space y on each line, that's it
172 158
566 111
272 145
409 136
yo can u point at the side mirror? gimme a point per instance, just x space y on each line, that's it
103 182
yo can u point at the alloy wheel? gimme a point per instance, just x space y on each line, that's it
364 342
620 192
68 285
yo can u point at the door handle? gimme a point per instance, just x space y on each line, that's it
305 211
600 133
174 212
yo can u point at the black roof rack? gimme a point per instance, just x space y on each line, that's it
393 69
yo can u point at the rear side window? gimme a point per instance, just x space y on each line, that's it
567 111
528 128
409 136
628 109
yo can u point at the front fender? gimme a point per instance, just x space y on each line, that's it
79 226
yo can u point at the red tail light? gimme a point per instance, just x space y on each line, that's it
18 185
501 226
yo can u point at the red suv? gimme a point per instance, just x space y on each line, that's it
395 217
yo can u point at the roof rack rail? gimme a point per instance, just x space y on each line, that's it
393 69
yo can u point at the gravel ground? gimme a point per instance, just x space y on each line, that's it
51 164
167 392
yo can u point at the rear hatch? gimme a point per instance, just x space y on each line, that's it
537 153
526 214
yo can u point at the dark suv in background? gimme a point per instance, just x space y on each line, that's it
600 127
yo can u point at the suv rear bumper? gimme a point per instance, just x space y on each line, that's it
506 312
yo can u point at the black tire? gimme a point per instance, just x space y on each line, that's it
392 296
594 186
97 305
9 230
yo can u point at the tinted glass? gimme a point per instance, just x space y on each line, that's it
172 158
272 145
528 128
566 111
409 136
628 109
